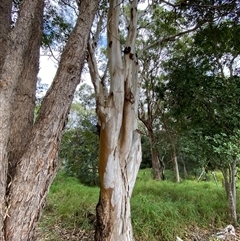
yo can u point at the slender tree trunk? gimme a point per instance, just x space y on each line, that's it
120 147
37 166
172 139
156 165
233 182
162 168
175 165
184 168
155 159
232 194
230 187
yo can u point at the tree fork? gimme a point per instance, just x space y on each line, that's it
119 149
37 166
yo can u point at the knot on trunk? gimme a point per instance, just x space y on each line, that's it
130 97
127 50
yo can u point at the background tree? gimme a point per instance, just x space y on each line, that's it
203 92
150 108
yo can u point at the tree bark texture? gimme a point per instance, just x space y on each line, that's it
36 164
172 139
12 67
155 160
120 147
229 175
5 9
175 165
22 115
5 27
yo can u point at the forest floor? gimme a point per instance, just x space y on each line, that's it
159 210
62 234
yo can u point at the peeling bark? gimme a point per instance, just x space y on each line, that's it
120 147
229 175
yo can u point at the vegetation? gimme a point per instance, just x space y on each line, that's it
79 146
75 203
160 210
174 64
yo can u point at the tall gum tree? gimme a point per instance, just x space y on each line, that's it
203 93
120 148
150 107
36 165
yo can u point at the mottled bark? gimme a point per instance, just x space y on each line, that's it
229 175
157 168
120 147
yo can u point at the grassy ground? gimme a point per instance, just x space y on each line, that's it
160 209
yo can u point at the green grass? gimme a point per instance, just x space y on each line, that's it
70 204
163 209
160 209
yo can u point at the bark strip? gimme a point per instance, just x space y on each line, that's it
120 150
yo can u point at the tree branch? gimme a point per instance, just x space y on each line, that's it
169 38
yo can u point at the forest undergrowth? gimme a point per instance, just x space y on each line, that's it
161 210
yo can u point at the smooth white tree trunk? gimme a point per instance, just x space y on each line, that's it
229 175
120 147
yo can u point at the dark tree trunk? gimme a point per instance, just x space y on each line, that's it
22 114
36 159
155 160
12 66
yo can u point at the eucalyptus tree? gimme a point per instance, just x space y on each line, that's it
117 103
150 107
119 146
203 95
157 22
158 28
28 150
